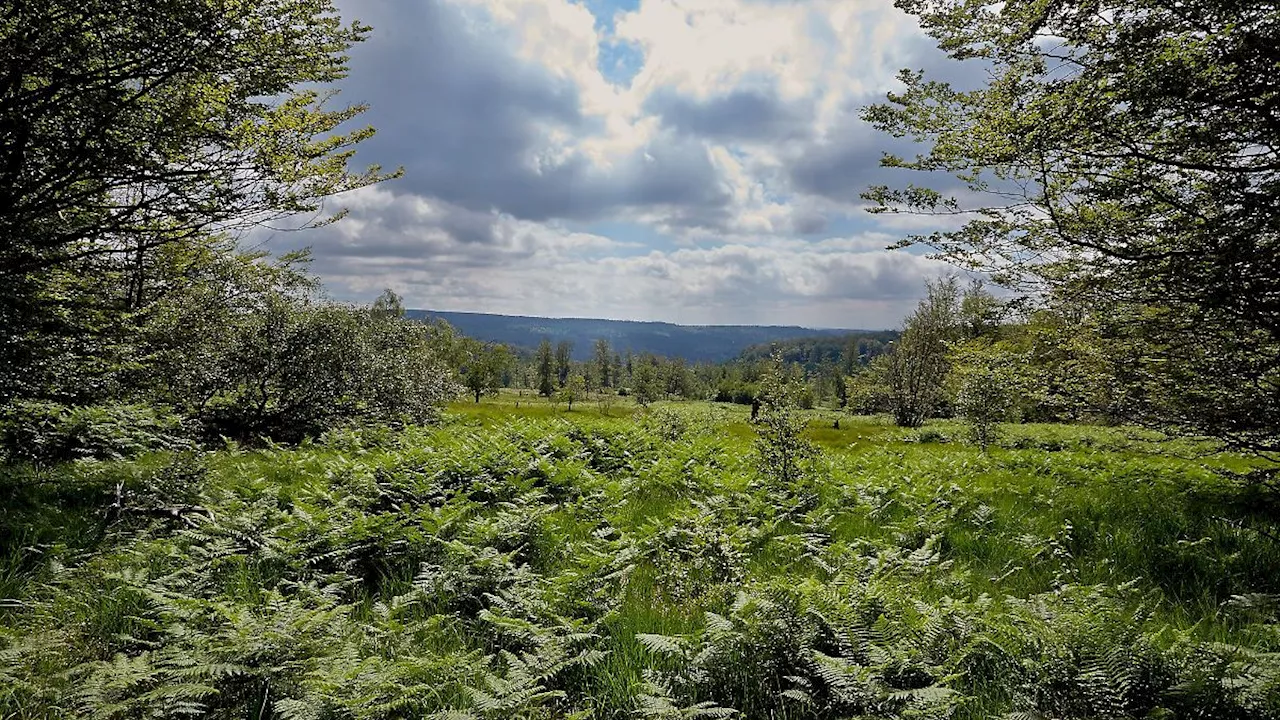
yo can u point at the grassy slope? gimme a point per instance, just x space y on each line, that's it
519 562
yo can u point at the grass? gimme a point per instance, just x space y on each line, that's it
533 562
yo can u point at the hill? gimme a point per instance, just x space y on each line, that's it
695 343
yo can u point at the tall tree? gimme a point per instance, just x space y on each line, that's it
615 371
133 123
1126 153
604 363
564 360
546 368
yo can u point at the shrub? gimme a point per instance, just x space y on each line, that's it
47 433
987 389
781 450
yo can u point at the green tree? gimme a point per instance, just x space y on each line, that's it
645 380
604 363
914 373
781 448
546 369
1129 156
126 125
129 123
564 361
575 389
484 367
388 305
987 387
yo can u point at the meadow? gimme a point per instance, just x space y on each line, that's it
526 562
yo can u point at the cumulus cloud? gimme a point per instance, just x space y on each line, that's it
734 151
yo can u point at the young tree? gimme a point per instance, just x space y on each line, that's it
645 381
915 372
564 360
546 369
781 448
987 388
575 389
484 367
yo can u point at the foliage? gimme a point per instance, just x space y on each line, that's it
781 450
49 433
483 367
292 371
130 125
575 389
606 568
564 361
987 388
141 124
1123 156
914 372
644 380
545 369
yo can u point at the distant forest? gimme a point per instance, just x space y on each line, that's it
694 343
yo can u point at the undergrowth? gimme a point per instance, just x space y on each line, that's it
580 566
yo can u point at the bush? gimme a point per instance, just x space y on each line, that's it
47 433
987 390
296 371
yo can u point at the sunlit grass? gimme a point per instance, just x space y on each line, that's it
432 548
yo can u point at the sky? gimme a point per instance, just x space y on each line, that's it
690 161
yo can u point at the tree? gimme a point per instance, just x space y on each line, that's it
126 125
781 448
484 367
1129 157
604 363
987 385
564 360
242 344
644 379
546 369
573 390
914 373
131 124
980 313
388 305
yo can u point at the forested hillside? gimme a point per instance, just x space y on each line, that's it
693 343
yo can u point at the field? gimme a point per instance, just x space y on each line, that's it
533 563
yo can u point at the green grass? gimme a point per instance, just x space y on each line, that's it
533 562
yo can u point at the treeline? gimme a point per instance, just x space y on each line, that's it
200 341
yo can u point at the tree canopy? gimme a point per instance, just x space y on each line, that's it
1126 153
129 125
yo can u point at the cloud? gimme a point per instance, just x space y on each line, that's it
487 116
441 256
744 114
731 146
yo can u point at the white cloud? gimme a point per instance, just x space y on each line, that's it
736 143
